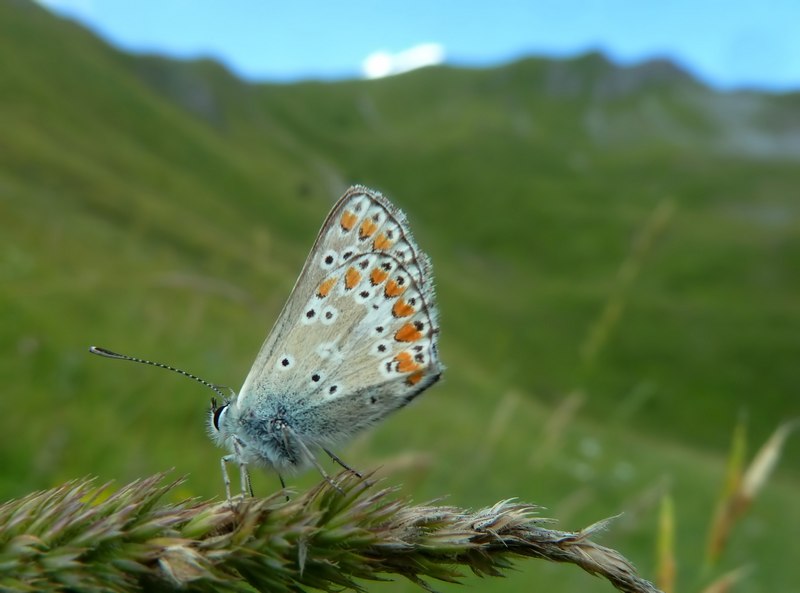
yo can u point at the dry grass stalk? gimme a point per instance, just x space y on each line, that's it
555 429
629 269
727 581
722 521
71 538
743 486
666 546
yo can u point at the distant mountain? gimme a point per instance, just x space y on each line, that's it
654 101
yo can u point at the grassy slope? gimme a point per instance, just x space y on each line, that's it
164 209
529 197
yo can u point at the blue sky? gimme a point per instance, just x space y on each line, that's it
728 44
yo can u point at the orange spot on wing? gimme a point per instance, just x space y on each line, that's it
368 227
325 288
402 309
381 242
393 289
415 378
351 278
348 220
407 333
377 276
405 362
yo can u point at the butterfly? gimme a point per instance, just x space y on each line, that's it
356 340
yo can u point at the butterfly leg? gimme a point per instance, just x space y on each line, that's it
321 470
247 485
311 457
283 486
244 475
333 456
225 477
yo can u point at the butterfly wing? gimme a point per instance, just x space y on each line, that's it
358 335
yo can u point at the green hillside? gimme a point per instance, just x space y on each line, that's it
541 175
623 238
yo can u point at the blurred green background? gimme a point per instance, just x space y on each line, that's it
616 252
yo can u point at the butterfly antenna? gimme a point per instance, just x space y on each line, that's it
109 354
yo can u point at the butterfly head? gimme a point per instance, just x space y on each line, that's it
218 421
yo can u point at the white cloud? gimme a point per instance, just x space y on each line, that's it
382 63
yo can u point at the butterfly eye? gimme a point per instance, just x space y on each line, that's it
218 413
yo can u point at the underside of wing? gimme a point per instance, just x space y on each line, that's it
361 318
